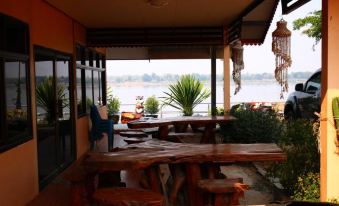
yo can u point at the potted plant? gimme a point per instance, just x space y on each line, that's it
152 107
185 95
113 106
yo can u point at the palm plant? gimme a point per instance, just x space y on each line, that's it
186 94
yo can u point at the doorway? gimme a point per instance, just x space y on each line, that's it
55 118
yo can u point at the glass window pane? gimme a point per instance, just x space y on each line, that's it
79 91
63 94
96 86
89 89
44 90
16 99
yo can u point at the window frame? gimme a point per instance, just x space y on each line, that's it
20 53
5 143
91 56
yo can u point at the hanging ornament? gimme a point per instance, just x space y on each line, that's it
238 64
281 47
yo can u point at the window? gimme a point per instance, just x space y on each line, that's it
15 107
313 84
90 84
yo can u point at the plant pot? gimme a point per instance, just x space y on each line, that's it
115 118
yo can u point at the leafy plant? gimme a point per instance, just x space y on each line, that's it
308 187
45 98
299 141
313 21
186 94
252 126
113 103
152 105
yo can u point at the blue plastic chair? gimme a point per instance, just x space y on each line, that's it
100 126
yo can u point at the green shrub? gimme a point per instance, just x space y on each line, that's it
151 105
299 141
252 126
308 187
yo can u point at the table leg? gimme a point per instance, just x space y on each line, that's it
179 178
208 136
193 176
163 132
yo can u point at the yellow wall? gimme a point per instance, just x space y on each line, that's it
52 29
330 88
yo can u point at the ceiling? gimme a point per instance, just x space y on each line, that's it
139 14
193 24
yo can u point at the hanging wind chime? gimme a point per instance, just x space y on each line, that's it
238 64
281 47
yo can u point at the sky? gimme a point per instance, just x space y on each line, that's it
257 59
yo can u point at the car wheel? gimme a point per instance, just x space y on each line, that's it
289 115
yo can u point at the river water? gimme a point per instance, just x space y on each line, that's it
268 91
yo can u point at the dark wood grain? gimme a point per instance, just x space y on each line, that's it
143 155
175 120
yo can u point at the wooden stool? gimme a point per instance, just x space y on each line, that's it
225 191
127 196
130 134
134 140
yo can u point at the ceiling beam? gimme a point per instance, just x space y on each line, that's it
148 37
286 8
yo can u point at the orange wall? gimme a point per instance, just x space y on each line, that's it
52 29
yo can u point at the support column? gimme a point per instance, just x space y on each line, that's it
227 82
213 80
329 178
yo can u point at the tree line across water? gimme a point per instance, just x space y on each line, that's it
202 77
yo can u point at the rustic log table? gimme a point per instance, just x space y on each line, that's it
208 123
150 154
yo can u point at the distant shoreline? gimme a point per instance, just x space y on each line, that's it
244 82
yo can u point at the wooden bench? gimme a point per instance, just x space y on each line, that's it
127 196
223 191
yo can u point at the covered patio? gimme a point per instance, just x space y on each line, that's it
73 40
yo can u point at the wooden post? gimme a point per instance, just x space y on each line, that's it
227 83
329 161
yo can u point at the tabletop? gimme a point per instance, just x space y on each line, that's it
152 122
143 155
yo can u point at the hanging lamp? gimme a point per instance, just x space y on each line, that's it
281 47
238 64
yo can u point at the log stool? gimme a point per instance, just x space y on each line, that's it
224 191
130 134
133 140
127 196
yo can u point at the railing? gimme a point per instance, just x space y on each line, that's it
201 109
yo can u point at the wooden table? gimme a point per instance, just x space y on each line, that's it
149 154
208 122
